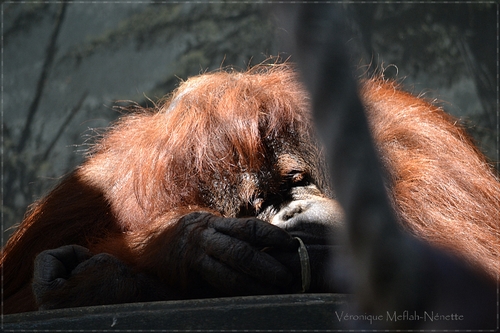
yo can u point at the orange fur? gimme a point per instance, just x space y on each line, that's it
212 134
443 189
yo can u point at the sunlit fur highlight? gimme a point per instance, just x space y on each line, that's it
212 130
216 142
443 189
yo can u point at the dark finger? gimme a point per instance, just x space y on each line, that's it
70 255
255 232
245 258
59 262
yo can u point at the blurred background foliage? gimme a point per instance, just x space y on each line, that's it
67 64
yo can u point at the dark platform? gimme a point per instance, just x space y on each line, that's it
276 312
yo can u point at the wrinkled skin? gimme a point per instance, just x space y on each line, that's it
213 255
